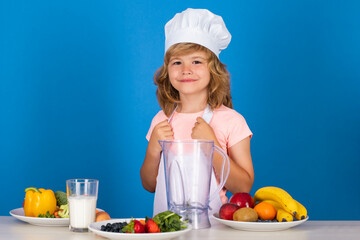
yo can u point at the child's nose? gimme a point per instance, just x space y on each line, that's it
186 69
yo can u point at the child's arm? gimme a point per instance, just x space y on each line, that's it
241 176
149 169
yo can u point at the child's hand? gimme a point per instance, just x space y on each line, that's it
162 131
202 130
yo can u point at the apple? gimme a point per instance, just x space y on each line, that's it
242 199
227 211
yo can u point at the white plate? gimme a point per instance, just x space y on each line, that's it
259 226
95 227
19 214
60 222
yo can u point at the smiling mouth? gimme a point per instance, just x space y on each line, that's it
187 80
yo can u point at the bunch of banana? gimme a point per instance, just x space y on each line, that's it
286 207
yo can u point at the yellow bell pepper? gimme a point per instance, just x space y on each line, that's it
39 201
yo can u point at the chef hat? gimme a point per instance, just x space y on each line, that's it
197 26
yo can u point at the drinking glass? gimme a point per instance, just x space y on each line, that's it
82 196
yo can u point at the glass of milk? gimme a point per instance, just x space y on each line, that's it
82 196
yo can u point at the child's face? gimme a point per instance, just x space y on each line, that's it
189 74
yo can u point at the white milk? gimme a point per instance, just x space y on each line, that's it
82 211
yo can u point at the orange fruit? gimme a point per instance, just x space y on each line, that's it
265 211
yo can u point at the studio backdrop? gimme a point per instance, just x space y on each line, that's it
77 96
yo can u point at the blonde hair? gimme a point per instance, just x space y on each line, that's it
218 88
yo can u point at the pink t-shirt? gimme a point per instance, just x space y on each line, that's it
229 127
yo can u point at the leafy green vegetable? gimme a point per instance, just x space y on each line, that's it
61 198
169 221
47 215
64 211
129 228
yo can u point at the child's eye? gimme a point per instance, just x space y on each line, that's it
197 62
176 63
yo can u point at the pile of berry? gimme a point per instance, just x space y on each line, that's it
113 227
262 220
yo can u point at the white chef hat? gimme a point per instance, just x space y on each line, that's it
198 26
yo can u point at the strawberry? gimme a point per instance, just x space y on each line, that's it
138 227
134 226
151 226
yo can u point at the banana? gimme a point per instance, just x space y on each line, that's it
278 195
302 212
276 205
283 216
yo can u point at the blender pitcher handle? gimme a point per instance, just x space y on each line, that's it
222 179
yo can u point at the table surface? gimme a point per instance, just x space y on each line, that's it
14 229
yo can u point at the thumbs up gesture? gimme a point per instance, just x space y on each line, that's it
202 130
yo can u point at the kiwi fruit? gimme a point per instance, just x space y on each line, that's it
245 215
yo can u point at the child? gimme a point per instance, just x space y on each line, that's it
194 95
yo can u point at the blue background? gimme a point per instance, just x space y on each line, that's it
77 96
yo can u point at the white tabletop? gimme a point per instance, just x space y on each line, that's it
13 229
